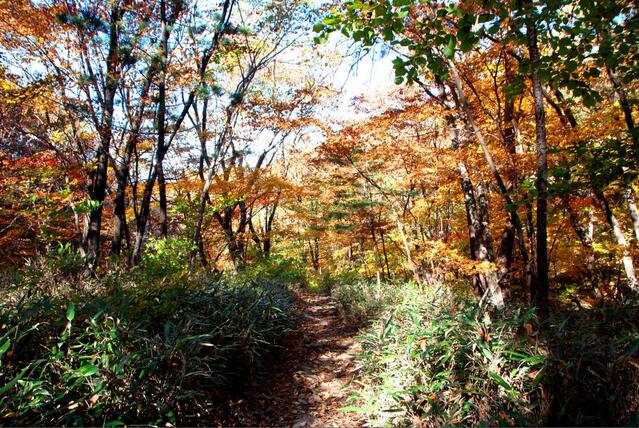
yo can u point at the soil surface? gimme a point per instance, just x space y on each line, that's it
309 381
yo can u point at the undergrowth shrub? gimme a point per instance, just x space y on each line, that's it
274 269
436 358
166 257
136 352
360 299
594 365
320 282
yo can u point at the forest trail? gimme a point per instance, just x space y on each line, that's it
308 382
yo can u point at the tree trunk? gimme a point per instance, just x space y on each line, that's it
378 263
505 255
620 238
164 225
539 291
634 214
626 107
414 268
313 248
120 226
157 172
388 273
161 120
98 179
119 212
482 283
585 236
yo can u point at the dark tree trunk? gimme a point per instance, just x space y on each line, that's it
268 229
119 212
161 120
98 178
381 235
120 227
163 217
539 289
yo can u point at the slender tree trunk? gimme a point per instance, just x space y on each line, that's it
484 221
388 273
626 107
161 120
221 140
119 211
505 256
313 248
98 179
585 236
233 241
378 263
164 225
621 241
157 172
539 291
413 267
120 227
268 229
634 214
482 283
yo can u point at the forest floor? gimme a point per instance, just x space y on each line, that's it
308 381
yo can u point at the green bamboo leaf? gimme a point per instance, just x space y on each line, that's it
5 347
13 381
449 52
71 312
86 370
501 381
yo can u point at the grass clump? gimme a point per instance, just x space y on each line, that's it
594 368
361 299
135 351
435 358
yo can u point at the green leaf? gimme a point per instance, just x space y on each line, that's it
71 312
501 381
86 370
318 27
13 381
449 52
331 20
5 347
485 17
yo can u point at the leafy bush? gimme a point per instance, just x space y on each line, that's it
275 269
66 259
361 299
593 370
439 359
166 257
137 354
320 283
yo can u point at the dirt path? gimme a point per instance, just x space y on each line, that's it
308 383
